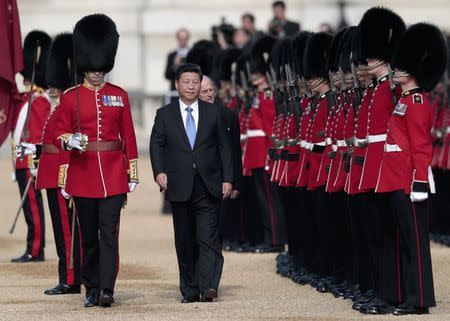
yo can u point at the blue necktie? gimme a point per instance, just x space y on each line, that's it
191 131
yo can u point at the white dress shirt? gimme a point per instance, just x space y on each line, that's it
194 112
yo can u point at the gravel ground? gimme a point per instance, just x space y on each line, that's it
147 285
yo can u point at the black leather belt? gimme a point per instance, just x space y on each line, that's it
318 149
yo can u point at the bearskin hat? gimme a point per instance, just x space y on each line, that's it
29 49
281 55
356 56
423 53
95 41
225 60
203 53
59 71
260 54
316 55
299 44
345 50
333 51
381 30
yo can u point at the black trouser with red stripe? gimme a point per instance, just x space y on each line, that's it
34 214
406 274
269 207
62 230
99 220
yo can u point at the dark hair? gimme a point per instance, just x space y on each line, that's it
279 4
188 68
248 16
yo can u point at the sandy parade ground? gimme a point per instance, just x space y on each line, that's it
147 286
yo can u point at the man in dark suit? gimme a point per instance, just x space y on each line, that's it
178 56
279 26
191 156
229 226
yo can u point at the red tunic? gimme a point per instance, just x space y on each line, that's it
380 110
105 115
290 169
262 114
356 165
317 137
409 129
337 137
40 109
305 124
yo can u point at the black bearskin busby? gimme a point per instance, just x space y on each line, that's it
423 53
357 55
299 45
381 30
29 50
202 54
345 50
316 55
60 73
333 51
225 60
95 41
260 55
282 55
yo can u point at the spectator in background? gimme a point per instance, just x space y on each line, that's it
248 25
279 26
241 38
177 57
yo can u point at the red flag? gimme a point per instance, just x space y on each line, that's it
11 58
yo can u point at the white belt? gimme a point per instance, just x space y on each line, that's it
255 133
334 148
321 143
376 138
328 141
341 143
448 129
243 136
309 145
389 148
302 143
360 140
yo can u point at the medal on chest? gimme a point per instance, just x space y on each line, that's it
112 101
400 109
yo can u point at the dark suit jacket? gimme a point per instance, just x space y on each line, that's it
171 153
291 28
232 122
170 71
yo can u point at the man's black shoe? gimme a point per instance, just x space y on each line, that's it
208 295
105 298
404 309
28 258
91 300
63 289
190 300
266 248
376 306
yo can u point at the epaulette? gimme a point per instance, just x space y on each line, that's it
268 94
417 98
71 88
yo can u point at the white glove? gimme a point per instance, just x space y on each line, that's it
13 177
64 194
33 172
28 149
77 141
418 196
132 186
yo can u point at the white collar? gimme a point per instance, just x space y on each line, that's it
183 106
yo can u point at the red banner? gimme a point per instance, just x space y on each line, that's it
11 58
